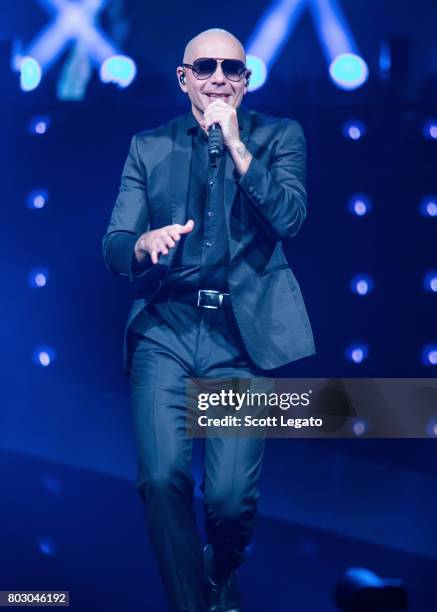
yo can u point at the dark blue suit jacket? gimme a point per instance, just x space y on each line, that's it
264 207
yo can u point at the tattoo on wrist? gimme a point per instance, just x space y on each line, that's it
241 150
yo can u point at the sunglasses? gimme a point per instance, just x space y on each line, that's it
204 67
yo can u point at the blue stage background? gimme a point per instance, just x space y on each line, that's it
70 515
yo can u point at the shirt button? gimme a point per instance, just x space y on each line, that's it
210 213
208 243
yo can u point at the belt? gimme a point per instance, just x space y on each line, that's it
203 298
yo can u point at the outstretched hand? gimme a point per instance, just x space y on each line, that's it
158 241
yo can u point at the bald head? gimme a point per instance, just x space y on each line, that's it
214 43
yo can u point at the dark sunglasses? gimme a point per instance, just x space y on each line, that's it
204 67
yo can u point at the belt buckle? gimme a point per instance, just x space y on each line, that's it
210 293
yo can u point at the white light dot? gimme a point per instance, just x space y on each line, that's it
40 280
41 127
354 133
357 355
359 428
431 209
362 287
360 207
432 357
44 358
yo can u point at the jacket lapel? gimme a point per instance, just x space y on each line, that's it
178 180
180 170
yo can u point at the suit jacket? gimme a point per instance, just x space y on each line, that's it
264 207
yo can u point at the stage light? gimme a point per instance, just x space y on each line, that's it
357 353
259 72
354 129
359 427
428 206
430 281
30 73
362 284
44 356
38 277
430 129
359 205
39 125
46 546
37 198
347 68
273 30
118 69
429 355
348 71
73 22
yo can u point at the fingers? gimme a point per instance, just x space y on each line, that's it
186 229
170 235
173 233
163 239
141 246
167 240
153 248
218 112
218 105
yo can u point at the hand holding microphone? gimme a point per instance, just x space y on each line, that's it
218 112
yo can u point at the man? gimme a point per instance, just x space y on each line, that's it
218 300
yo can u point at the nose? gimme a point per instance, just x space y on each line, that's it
219 75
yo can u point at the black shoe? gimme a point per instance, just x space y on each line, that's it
223 596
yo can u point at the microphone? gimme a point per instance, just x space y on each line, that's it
215 143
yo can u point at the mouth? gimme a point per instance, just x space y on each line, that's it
217 95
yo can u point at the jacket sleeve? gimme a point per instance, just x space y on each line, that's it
278 192
129 218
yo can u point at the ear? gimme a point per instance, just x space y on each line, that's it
181 75
247 79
